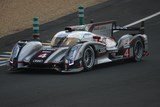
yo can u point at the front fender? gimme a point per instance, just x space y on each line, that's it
72 53
95 45
21 50
29 48
17 49
75 53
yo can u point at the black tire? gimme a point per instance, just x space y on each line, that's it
138 50
88 58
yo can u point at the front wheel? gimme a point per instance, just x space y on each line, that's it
138 50
88 58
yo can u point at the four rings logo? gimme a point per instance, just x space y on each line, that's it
37 61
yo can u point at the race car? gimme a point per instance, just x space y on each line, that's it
79 48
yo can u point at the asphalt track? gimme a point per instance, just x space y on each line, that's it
120 84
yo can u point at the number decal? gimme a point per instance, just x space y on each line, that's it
127 53
42 55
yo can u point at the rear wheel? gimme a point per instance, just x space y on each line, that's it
138 50
88 58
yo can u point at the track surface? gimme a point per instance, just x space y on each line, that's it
118 84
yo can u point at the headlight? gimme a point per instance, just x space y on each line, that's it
72 54
15 51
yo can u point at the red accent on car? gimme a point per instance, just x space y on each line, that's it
20 62
97 38
145 53
35 36
112 37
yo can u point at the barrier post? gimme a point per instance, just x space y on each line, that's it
36 28
81 15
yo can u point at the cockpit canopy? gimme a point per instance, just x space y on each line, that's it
65 38
64 41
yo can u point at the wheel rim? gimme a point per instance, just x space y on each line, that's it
138 50
88 58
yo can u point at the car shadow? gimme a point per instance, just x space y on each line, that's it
101 67
39 72
54 72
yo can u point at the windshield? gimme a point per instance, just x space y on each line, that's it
63 41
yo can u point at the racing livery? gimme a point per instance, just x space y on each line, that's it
80 47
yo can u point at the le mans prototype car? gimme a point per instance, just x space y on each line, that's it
79 48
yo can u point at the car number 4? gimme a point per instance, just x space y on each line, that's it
127 53
42 55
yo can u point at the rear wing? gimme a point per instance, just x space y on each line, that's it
100 28
106 28
139 29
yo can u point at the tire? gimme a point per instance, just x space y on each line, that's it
138 50
88 58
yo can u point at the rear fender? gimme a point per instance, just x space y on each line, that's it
144 39
124 41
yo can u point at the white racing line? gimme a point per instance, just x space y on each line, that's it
5 56
4 59
2 63
144 19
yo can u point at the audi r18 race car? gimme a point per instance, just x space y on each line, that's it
80 47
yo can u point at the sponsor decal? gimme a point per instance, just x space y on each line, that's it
46 51
43 55
37 61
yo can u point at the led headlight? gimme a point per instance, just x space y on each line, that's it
72 54
15 51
